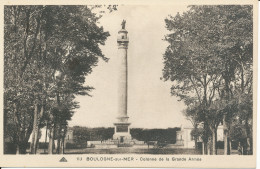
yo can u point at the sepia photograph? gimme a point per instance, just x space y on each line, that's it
172 83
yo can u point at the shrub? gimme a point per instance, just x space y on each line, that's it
75 146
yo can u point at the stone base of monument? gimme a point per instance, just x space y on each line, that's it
122 137
122 133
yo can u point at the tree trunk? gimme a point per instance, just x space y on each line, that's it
36 140
230 145
248 146
203 148
206 137
225 117
196 142
35 117
58 146
17 149
21 147
248 135
46 133
50 147
62 147
37 145
225 135
208 148
195 136
58 149
36 123
214 142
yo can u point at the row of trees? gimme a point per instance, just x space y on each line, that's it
83 134
48 51
210 62
161 135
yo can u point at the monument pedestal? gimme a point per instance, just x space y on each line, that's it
122 132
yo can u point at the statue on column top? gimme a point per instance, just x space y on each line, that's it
123 24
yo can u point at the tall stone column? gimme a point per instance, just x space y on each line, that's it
122 131
122 78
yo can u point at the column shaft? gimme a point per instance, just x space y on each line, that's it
122 82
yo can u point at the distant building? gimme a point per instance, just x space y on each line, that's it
184 137
42 136
69 136
186 140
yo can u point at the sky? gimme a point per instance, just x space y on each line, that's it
150 104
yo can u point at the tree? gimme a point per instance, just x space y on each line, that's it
189 62
39 42
207 47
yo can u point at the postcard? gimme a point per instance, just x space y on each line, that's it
128 83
